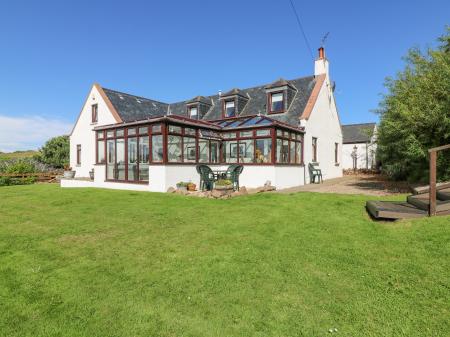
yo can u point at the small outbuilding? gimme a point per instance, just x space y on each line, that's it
359 146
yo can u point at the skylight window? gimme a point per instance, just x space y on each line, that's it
230 110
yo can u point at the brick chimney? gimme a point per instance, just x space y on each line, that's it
321 63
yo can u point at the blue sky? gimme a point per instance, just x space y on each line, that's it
52 52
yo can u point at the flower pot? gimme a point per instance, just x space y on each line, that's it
69 174
191 187
182 188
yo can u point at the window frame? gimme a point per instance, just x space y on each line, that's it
224 107
336 153
78 154
314 145
269 102
94 113
196 107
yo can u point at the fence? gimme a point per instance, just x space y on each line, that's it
48 177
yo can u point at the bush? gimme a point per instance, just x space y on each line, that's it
415 115
8 181
55 152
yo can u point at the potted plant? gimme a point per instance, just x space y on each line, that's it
223 185
91 174
182 186
191 186
68 172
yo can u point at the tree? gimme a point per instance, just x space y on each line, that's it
55 152
415 115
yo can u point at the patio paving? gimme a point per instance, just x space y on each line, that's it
354 184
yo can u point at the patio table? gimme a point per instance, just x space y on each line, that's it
220 174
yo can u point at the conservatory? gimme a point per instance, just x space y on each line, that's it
159 152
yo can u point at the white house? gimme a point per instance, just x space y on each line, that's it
359 146
273 130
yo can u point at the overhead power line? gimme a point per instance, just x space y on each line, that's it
301 29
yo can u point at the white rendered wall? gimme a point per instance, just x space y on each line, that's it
324 125
365 154
161 177
84 135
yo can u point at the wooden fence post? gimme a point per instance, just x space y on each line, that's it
433 157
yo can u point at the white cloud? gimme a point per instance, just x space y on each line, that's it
29 133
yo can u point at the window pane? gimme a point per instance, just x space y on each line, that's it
111 159
263 132
143 130
282 151
263 150
299 153
230 151
203 155
189 150
280 133
193 112
157 149
119 133
229 135
110 134
132 158
144 153
131 132
246 151
215 146
230 110
100 134
246 133
120 159
292 135
101 152
189 131
277 102
174 148
156 128
292 151
174 129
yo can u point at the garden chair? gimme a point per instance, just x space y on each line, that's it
235 176
206 177
228 174
314 172
197 167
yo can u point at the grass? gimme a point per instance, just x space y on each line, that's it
17 155
85 262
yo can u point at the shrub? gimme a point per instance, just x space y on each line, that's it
55 152
8 181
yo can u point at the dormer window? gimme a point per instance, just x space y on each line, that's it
230 109
193 112
276 102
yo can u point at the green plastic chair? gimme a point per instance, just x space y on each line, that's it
314 172
206 177
234 175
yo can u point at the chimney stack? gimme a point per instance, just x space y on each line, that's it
321 53
321 63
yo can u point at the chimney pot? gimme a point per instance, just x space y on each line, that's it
321 53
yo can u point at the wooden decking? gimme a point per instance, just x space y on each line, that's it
394 210
415 206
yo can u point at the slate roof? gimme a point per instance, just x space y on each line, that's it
357 133
133 108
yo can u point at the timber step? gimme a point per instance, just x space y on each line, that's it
422 202
394 210
426 189
443 194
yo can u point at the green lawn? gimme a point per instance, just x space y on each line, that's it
85 262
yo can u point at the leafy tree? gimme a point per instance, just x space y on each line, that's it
415 115
55 152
